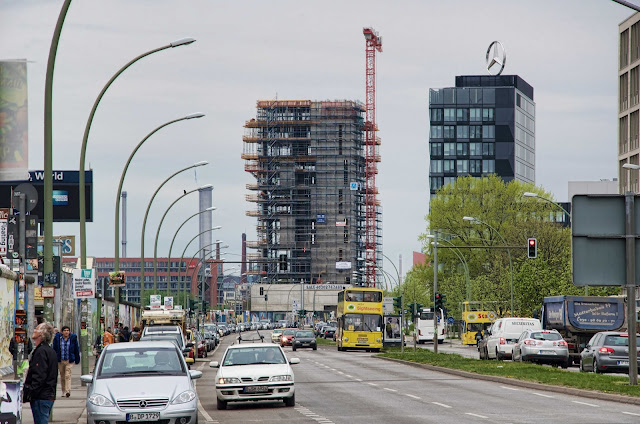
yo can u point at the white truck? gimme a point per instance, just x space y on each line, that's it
425 326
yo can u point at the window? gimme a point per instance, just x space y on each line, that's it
475 96
624 91
624 48
436 149
633 130
475 166
633 86
623 136
488 131
449 149
475 149
449 115
462 131
475 131
462 115
436 166
462 166
462 149
449 166
436 131
488 149
450 96
449 131
475 114
436 115
435 183
449 180
488 166
634 42
487 114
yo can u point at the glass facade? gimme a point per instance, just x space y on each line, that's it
484 125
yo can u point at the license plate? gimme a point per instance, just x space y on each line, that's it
623 362
256 389
546 352
363 340
143 416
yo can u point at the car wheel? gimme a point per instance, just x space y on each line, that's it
205 354
595 367
565 364
293 348
498 355
581 366
315 348
290 401
222 405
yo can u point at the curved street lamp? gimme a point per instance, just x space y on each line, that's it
155 246
83 150
187 246
537 196
217 227
477 221
200 261
146 214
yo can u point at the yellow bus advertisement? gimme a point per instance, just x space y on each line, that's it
359 319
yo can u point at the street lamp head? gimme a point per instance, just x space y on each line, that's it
206 186
201 163
631 166
212 208
470 219
217 227
182 42
529 194
194 115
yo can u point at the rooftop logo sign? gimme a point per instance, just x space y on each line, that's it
496 58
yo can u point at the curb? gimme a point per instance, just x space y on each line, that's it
521 383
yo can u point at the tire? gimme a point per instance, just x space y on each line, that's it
565 364
498 355
581 366
595 367
206 354
290 401
293 348
440 341
222 405
315 348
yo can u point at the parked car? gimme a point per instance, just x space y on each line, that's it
282 323
482 346
178 339
211 340
127 370
304 338
542 347
254 371
201 344
318 326
328 332
607 351
287 336
505 332
276 335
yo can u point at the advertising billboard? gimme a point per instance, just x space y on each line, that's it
14 155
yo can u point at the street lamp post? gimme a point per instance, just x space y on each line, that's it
185 250
465 265
155 245
477 221
146 214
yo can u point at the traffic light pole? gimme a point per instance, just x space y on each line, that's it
435 290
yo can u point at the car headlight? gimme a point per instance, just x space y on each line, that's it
377 340
346 339
281 378
184 397
229 380
100 400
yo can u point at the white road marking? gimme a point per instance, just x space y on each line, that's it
631 413
542 394
509 388
441 404
332 369
358 379
585 403
475 415
412 396
340 372
309 414
207 417
389 390
347 375
372 384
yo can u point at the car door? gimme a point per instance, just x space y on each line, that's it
492 342
588 353
517 350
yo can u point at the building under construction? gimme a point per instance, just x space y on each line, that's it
308 159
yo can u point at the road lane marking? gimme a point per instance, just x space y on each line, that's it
372 384
543 395
389 390
631 413
358 379
412 396
207 417
441 404
332 369
340 372
509 388
310 414
475 415
347 375
585 403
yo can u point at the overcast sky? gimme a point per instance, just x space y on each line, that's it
254 50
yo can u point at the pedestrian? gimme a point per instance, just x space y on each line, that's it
42 377
108 337
68 350
135 335
123 335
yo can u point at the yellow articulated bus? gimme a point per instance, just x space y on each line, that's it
475 318
359 319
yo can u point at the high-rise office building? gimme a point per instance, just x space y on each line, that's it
484 125
629 102
308 160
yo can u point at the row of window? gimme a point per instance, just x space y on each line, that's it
460 166
525 138
461 149
462 96
525 121
526 155
462 114
526 104
463 131
436 183
525 172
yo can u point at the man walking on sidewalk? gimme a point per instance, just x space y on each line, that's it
68 350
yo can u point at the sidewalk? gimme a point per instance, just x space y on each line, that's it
69 410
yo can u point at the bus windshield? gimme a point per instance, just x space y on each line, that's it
426 315
362 322
363 296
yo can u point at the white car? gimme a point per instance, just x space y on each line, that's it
252 372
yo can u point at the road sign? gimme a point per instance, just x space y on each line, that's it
450 320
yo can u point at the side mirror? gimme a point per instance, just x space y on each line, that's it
195 374
586 347
214 364
87 378
294 361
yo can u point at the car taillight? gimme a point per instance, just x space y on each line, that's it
502 340
530 342
606 350
562 343
420 332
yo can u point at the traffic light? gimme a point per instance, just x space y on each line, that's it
205 305
302 312
532 248
397 302
193 304
266 297
261 291
440 299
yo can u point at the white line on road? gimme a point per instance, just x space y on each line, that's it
372 384
412 396
340 372
207 417
585 403
475 415
509 388
631 413
542 394
389 390
358 379
441 404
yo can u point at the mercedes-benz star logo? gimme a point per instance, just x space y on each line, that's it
143 404
496 55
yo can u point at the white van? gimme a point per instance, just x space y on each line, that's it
504 333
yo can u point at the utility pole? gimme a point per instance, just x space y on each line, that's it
435 290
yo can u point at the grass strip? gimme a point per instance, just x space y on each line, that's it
520 371
324 342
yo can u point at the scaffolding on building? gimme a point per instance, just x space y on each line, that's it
308 159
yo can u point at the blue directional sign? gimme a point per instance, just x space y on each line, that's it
450 320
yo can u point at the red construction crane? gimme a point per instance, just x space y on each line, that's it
374 42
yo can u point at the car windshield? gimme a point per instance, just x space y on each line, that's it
289 332
616 341
162 328
304 334
278 330
545 336
118 363
253 355
176 338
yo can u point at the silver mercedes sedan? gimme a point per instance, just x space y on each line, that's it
142 381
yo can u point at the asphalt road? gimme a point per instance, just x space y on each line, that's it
354 387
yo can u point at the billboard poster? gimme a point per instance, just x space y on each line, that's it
10 401
14 132
84 283
4 223
392 332
117 279
168 302
155 301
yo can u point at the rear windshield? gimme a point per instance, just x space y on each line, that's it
304 334
162 328
545 336
289 332
616 341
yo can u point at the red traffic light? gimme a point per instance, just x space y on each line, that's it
532 248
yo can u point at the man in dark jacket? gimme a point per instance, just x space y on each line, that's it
42 377
68 351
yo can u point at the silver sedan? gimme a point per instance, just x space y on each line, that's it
543 347
142 381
